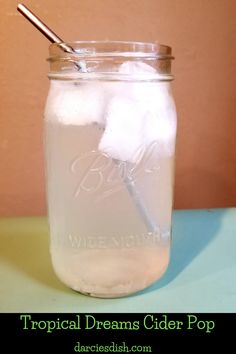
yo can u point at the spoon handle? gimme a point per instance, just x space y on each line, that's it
44 29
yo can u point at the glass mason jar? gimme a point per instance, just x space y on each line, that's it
110 129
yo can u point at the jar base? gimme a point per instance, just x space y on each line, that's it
111 273
104 295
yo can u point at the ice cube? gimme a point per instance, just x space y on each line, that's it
160 127
139 114
157 101
136 67
123 138
78 104
160 122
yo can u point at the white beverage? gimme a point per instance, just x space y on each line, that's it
109 209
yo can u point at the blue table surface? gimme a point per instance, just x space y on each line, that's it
201 276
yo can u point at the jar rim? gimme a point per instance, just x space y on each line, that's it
109 48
